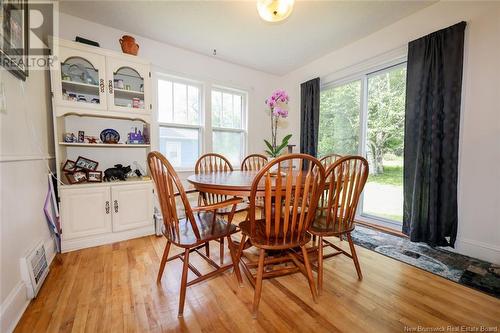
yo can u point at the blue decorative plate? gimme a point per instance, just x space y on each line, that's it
109 135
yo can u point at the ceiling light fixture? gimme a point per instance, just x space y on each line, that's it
274 10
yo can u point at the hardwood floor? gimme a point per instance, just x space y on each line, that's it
113 288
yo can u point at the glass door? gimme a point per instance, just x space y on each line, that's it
128 86
81 79
384 146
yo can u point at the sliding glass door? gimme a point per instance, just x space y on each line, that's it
365 116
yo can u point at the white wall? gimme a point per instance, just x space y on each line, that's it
479 171
26 147
179 62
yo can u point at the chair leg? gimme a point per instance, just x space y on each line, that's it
258 282
320 265
235 260
242 246
207 249
354 256
309 273
182 297
163 262
221 251
314 239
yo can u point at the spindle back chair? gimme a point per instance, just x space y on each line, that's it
199 226
253 162
290 199
346 179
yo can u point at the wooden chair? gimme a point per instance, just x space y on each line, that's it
193 232
346 179
328 160
253 162
290 203
213 162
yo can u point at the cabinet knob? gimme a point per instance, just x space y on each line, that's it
107 207
110 86
116 206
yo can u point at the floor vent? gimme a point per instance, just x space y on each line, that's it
34 270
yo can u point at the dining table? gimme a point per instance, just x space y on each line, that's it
232 183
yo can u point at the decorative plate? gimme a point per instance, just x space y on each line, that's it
109 135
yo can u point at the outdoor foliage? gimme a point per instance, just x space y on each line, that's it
339 118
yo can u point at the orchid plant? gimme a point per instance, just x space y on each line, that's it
277 103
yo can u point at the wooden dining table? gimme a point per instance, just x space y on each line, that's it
232 183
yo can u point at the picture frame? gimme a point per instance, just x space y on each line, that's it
69 166
86 163
14 37
76 177
94 176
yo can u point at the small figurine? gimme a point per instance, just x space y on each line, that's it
91 139
135 137
118 172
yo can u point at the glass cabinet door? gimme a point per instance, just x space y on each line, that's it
81 79
128 86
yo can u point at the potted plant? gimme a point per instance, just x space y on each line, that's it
277 103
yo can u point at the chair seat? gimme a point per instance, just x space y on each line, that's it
319 227
210 228
275 241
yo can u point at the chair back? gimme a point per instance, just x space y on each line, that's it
212 162
295 192
168 186
346 179
326 161
253 162
207 163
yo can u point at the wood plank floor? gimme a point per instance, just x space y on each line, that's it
112 288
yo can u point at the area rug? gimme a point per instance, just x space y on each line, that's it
471 272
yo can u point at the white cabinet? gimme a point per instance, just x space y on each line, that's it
85 212
128 85
79 79
92 78
132 206
95 215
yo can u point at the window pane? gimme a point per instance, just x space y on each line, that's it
230 145
237 107
216 108
180 146
383 193
339 119
193 105
164 101
180 103
227 110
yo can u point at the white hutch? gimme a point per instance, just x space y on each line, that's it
94 89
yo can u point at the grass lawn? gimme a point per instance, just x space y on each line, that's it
393 175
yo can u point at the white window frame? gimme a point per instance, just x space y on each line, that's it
243 130
363 74
199 126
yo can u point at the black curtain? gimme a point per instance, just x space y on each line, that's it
433 95
309 116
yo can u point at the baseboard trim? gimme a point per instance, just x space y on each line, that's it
478 249
12 309
97 240
381 228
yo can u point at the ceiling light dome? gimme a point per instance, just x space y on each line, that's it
274 10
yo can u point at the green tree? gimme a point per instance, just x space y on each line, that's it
386 104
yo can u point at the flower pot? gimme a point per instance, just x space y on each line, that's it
129 45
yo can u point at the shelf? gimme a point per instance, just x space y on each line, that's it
126 92
129 181
136 115
80 87
101 145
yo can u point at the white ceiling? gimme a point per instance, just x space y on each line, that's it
239 35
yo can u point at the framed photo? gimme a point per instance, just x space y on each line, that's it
86 164
14 37
94 176
76 177
69 166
